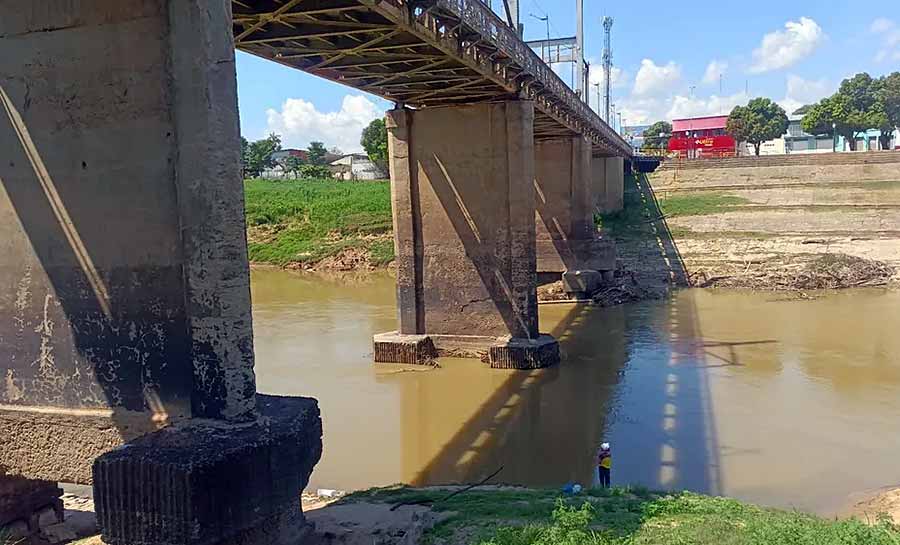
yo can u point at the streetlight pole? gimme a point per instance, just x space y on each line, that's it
597 85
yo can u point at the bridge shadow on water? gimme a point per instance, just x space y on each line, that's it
635 375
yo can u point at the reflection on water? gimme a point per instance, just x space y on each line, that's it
786 403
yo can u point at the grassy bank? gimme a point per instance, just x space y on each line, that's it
623 516
303 222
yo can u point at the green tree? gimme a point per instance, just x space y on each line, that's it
657 135
859 104
259 154
818 119
244 146
375 141
887 97
292 164
758 121
316 153
315 172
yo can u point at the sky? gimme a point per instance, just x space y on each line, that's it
670 60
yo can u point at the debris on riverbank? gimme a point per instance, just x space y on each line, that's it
625 287
800 273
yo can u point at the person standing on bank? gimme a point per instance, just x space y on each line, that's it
604 464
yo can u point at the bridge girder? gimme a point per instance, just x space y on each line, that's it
420 53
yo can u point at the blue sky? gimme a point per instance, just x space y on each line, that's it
792 52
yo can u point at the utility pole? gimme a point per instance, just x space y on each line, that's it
607 64
579 50
599 104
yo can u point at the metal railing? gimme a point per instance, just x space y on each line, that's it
480 18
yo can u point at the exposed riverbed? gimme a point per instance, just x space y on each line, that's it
759 396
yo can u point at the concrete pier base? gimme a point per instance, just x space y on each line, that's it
581 283
498 352
462 186
205 482
125 315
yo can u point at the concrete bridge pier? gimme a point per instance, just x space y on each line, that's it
608 178
568 243
125 315
464 227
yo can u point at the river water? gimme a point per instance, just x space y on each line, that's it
770 399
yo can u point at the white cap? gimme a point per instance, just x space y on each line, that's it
604 446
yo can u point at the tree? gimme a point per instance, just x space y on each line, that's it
818 119
758 121
292 164
259 154
375 141
316 153
887 96
317 172
803 109
244 146
657 135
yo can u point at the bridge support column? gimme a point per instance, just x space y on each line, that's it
124 283
464 233
567 240
608 175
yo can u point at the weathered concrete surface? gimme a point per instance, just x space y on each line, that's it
24 500
206 481
464 229
61 444
464 219
125 282
608 176
567 239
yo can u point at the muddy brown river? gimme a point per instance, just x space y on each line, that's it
770 399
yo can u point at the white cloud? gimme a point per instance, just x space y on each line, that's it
889 35
682 106
881 25
784 48
801 91
653 79
299 122
713 70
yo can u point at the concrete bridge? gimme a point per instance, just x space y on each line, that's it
125 312
497 165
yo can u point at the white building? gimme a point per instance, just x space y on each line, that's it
357 166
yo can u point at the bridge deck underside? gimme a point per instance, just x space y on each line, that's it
421 54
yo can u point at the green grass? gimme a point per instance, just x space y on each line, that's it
698 204
305 221
625 516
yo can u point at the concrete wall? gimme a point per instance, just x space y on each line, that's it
124 284
564 203
608 178
463 196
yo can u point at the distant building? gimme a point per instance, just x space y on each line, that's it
769 147
869 141
798 141
283 154
356 166
701 137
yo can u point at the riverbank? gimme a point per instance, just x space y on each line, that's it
508 515
779 225
693 228
323 225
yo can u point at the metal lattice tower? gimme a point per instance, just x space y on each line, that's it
607 64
